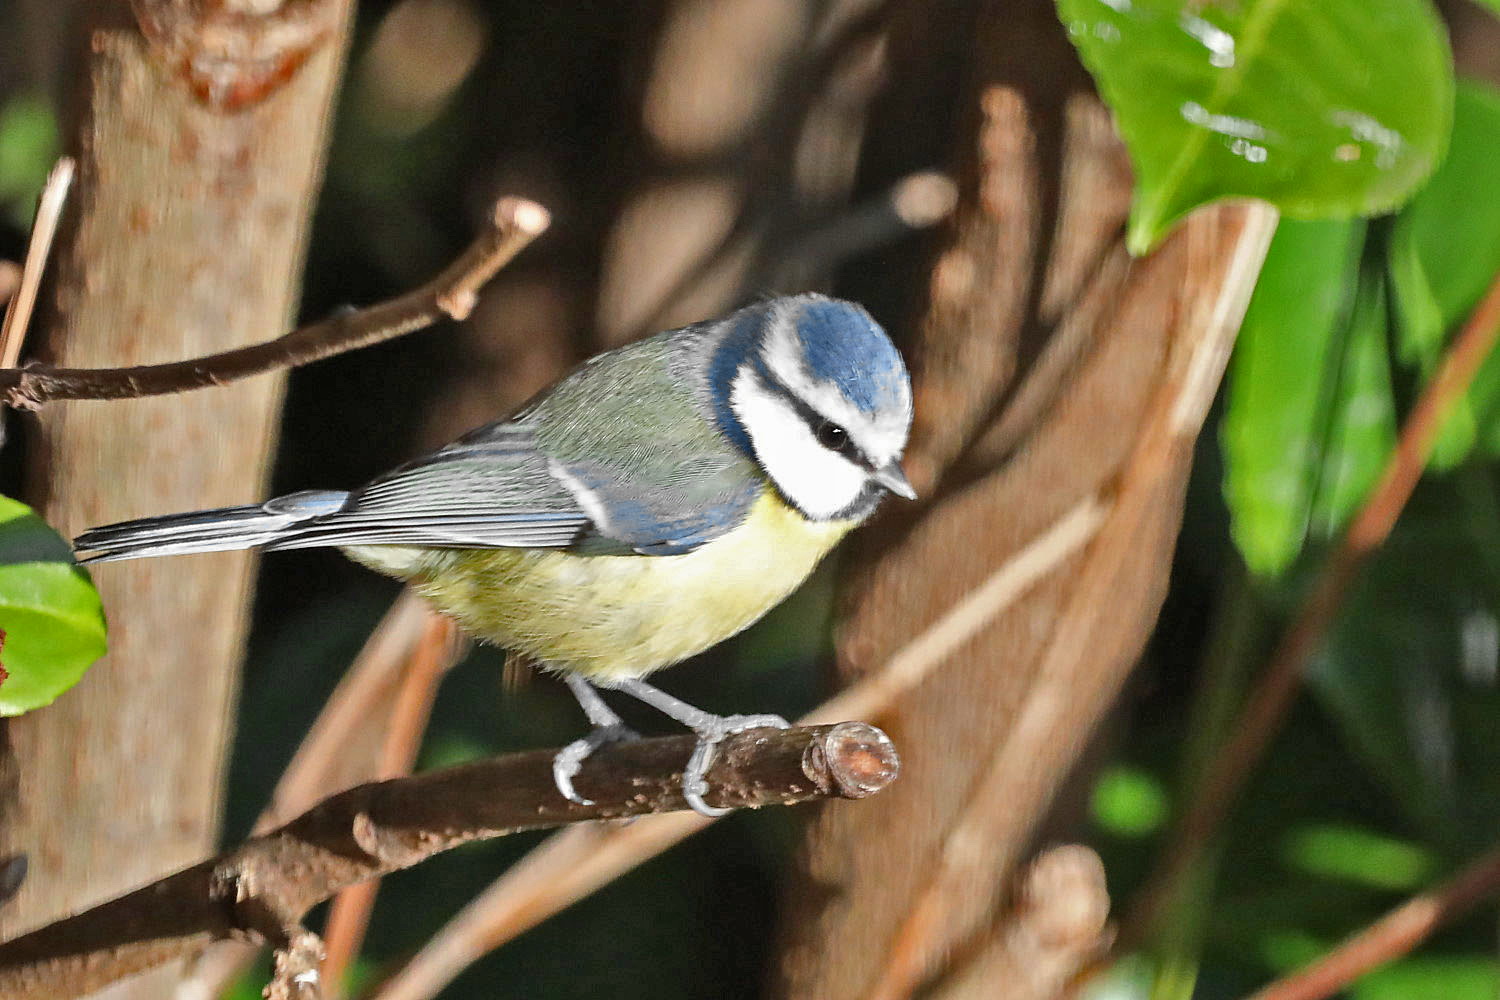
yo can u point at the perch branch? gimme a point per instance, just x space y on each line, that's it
1392 936
263 888
1268 703
513 224
578 861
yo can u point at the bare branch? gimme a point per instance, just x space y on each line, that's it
1392 936
264 887
1070 689
1278 682
514 223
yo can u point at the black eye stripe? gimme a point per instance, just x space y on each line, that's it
814 420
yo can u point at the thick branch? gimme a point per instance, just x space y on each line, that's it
264 887
514 223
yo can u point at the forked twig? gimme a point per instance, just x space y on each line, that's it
335 754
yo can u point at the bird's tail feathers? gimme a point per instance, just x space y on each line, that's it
207 530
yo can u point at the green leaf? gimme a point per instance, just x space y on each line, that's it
1128 802
1278 400
1285 949
1444 252
49 612
28 147
1362 424
1432 978
1359 856
1327 109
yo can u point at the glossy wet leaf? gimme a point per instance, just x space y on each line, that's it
49 612
1327 109
1280 385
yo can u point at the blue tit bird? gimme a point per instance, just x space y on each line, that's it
653 502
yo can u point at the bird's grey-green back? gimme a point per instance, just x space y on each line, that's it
623 455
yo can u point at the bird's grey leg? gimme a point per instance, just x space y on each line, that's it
711 730
608 728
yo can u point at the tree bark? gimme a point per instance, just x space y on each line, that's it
189 225
1049 369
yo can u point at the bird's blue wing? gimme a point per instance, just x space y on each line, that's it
493 489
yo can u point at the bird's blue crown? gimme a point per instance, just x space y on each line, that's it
837 343
842 345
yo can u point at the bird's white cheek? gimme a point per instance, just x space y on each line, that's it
815 479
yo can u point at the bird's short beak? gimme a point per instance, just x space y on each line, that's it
892 478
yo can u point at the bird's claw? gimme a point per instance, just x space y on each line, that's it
694 776
569 760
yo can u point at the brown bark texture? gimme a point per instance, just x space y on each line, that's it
263 888
188 227
1048 368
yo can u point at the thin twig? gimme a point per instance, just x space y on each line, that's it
580 860
1392 936
43 230
513 224
264 887
349 916
1278 682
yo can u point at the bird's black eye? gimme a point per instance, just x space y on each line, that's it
831 436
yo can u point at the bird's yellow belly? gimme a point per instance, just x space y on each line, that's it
613 617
